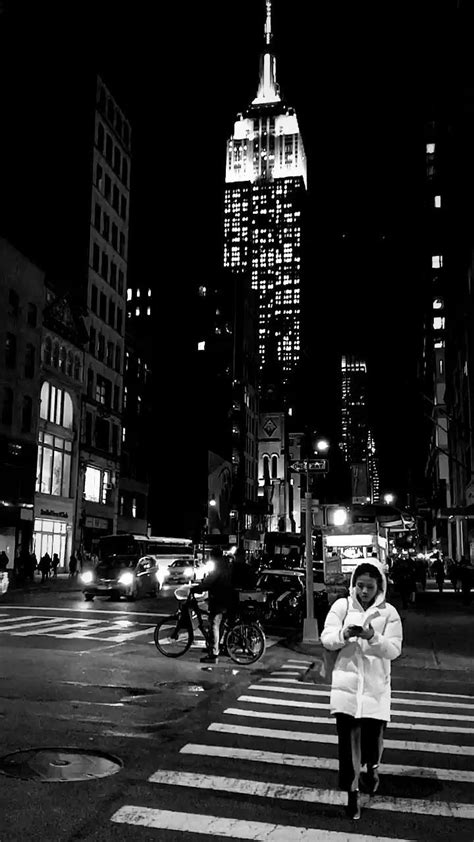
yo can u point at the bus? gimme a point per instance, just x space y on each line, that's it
136 546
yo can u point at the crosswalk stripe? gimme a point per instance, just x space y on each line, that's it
124 636
296 703
36 627
305 736
291 792
51 629
4 627
313 762
326 720
231 828
305 690
423 693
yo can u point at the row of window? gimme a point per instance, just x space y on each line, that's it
113 116
137 293
10 355
109 232
106 309
56 355
26 411
107 269
14 308
105 352
112 153
110 191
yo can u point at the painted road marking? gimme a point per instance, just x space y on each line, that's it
37 626
314 762
296 703
53 627
291 792
298 689
197 823
89 610
326 720
305 736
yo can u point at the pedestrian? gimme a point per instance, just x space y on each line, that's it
3 561
366 631
55 565
404 579
72 566
45 567
242 576
33 566
466 576
218 583
437 568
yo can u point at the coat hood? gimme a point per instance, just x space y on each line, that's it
380 598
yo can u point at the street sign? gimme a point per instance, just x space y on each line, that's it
300 466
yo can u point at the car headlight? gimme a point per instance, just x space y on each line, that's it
126 578
188 571
87 577
293 601
209 566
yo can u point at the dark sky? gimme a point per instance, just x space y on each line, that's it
360 77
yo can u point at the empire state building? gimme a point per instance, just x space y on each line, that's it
264 199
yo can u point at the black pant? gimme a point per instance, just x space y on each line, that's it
360 743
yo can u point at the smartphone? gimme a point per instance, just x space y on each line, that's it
356 629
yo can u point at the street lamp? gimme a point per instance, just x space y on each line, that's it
339 517
389 498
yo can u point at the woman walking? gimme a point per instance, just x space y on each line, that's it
367 633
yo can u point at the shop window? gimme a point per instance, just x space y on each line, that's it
54 465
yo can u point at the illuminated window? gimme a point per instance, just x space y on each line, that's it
137 311
138 293
96 484
148 311
438 322
149 293
437 261
53 474
437 201
438 304
430 148
129 294
134 506
56 406
201 346
439 343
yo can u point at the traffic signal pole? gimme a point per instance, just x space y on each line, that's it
310 625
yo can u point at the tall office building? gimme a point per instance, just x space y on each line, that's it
357 441
264 200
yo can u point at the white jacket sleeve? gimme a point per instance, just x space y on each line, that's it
332 636
389 644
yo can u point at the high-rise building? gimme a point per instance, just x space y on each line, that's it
357 441
263 206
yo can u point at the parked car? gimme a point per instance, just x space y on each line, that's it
183 571
286 591
122 576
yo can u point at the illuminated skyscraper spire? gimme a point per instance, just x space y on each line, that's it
267 89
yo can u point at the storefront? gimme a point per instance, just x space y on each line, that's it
53 529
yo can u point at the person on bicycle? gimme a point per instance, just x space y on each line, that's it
218 583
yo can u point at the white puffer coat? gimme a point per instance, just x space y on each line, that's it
361 677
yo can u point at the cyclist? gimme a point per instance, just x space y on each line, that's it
218 583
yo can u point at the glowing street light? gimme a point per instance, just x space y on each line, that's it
339 517
389 498
321 446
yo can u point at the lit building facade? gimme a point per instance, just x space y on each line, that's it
106 301
64 337
263 208
357 441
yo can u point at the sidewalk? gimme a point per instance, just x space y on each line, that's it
62 583
438 640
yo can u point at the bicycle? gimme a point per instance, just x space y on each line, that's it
242 636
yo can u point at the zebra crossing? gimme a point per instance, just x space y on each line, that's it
267 771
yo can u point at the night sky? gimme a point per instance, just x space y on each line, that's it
361 77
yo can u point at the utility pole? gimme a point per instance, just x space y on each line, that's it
310 625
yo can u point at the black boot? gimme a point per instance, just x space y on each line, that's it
353 805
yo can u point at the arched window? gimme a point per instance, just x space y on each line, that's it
44 406
7 405
266 469
70 363
67 412
62 359
77 367
56 354
274 466
47 350
56 406
26 414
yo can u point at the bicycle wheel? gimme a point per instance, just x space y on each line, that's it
245 643
171 640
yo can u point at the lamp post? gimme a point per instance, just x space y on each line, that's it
310 625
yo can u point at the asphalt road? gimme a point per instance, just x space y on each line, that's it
222 753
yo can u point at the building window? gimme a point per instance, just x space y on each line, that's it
137 311
26 414
107 187
56 406
32 314
102 434
70 364
62 359
266 469
119 320
103 306
121 504
97 485
123 207
149 293
115 438
148 311
122 245
13 303
438 304
118 359
54 465
101 348
129 294
438 322
77 368
103 390
430 148
90 382
113 274
124 434
47 350
437 261
92 340
108 148
94 294
98 177
115 198
274 467
97 215
95 257
106 226
117 398
112 313
104 269
10 350
437 201
134 506
139 405
100 137
110 354
88 428
7 405
120 282
125 396
30 360
114 235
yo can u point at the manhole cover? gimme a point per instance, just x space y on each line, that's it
59 764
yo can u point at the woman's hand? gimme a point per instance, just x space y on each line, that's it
368 633
352 631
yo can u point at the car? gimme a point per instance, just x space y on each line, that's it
122 576
286 590
183 571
